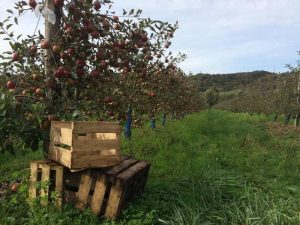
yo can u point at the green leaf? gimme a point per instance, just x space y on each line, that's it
76 113
10 11
131 12
16 20
8 26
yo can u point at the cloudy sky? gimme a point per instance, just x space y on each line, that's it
220 36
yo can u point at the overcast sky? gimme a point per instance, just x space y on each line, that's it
219 36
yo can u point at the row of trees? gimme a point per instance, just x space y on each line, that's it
272 94
90 64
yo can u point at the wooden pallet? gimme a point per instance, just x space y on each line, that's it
107 191
81 145
45 172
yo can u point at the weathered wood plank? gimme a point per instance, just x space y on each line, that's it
121 167
62 136
92 145
62 124
135 170
95 162
96 127
84 189
104 136
60 155
115 201
99 193
98 153
45 187
59 186
34 166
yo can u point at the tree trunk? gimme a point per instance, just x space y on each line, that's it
164 119
287 119
297 119
275 117
49 63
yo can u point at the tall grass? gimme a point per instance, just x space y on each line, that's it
214 167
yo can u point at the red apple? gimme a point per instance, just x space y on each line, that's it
16 57
60 72
33 49
59 3
15 187
80 63
144 38
117 26
35 76
45 44
71 51
56 49
80 71
95 34
64 55
90 28
11 84
97 5
32 3
152 94
95 73
103 64
115 19
39 92
70 31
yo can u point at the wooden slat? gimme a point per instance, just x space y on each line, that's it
61 124
124 157
33 179
104 136
45 178
115 201
119 144
92 145
61 136
66 136
94 162
70 196
132 172
84 189
59 186
41 161
60 155
121 167
96 127
106 152
99 193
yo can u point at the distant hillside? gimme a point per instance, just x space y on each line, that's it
228 82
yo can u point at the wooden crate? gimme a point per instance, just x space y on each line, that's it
80 145
46 176
107 191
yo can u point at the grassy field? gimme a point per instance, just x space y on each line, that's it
213 167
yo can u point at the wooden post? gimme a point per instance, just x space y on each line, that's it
49 63
50 33
297 119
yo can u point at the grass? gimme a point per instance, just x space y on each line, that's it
214 167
